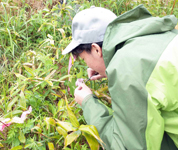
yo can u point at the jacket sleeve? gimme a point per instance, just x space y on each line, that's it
97 114
126 128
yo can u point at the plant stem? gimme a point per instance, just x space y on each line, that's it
173 6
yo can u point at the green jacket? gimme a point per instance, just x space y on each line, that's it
141 57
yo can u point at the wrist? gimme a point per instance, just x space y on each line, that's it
87 98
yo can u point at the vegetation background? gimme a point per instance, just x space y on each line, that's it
33 72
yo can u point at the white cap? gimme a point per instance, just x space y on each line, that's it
89 26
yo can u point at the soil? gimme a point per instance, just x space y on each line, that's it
34 5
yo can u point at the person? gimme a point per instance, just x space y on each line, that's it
138 53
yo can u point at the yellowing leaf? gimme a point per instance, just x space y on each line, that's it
56 95
61 131
71 137
72 117
51 146
93 143
50 121
17 148
66 125
22 100
1 145
20 76
91 130
49 82
29 70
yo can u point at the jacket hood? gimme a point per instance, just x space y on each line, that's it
134 23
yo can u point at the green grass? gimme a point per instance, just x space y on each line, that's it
33 72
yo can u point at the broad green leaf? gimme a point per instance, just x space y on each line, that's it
72 117
71 137
22 100
91 130
11 103
19 147
61 131
13 113
60 104
51 146
66 125
80 74
50 121
22 138
94 145
12 93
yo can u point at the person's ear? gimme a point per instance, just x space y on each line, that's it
96 49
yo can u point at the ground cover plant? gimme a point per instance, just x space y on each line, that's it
37 107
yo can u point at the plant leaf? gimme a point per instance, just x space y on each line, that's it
37 128
71 137
72 117
48 76
66 125
80 74
28 69
2 136
51 146
61 131
1 145
22 137
94 145
20 76
17 147
49 82
50 121
22 100
91 130
9 107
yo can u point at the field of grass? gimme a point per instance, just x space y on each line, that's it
34 73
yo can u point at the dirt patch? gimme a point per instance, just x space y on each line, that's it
31 5
36 4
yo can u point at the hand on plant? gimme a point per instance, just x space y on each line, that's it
81 92
93 73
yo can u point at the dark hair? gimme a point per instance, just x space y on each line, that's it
84 47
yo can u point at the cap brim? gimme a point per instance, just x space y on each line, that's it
73 44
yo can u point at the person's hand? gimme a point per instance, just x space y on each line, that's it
81 92
93 73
